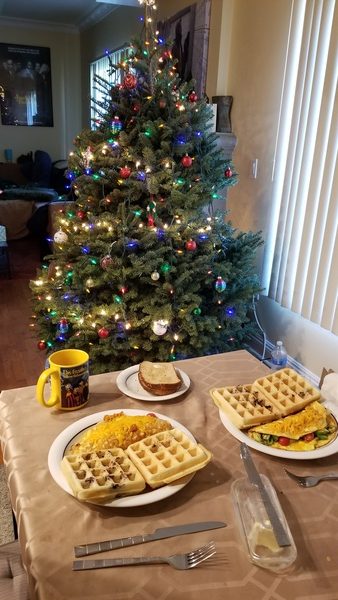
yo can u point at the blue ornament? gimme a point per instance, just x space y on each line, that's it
220 285
116 125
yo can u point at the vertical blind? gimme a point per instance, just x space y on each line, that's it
301 262
102 68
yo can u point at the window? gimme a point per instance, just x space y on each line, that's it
301 261
101 73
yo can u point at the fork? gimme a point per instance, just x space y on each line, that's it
178 561
310 480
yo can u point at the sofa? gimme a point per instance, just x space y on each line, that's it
26 187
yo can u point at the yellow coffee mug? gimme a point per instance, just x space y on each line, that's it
69 379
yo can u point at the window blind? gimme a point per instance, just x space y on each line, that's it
301 262
101 68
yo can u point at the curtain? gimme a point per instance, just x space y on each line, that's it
301 262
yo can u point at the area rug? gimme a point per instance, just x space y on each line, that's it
6 521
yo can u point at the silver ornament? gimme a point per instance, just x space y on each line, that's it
60 237
155 276
160 327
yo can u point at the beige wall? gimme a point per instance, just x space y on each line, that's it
66 87
257 53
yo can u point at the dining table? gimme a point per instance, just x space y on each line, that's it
52 521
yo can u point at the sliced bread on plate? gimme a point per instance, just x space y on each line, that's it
159 379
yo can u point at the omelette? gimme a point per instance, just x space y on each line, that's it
310 428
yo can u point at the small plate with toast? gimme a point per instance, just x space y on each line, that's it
153 382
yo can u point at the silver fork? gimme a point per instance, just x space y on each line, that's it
178 561
310 480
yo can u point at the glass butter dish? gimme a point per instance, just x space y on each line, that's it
256 528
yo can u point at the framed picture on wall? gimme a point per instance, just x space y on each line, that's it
25 86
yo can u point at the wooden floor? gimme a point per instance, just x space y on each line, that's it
20 360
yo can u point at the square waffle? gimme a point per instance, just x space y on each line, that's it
167 456
288 391
244 405
102 475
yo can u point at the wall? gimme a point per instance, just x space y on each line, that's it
64 47
257 53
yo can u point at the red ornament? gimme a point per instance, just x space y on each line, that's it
125 172
191 245
42 345
162 103
228 172
151 221
81 214
186 161
103 333
106 261
193 97
130 82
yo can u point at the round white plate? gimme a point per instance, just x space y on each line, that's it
68 436
128 383
328 450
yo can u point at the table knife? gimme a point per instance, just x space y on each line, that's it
279 530
158 534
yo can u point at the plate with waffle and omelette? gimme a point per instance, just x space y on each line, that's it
125 458
280 414
153 382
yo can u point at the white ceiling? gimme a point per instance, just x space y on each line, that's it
61 12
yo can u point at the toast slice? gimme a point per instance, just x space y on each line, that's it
159 379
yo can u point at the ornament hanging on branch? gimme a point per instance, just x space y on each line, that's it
129 82
220 285
42 345
193 97
103 333
155 276
106 261
125 172
151 212
160 327
60 237
191 245
116 125
63 325
186 161
228 173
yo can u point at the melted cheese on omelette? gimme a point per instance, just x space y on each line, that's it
314 418
119 430
311 418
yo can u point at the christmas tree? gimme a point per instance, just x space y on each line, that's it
143 267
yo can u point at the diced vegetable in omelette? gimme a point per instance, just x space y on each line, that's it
310 428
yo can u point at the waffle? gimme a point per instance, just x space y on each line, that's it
167 456
244 405
288 391
101 476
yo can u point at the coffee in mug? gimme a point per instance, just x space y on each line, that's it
69 380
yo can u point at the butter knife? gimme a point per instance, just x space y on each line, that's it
158 534
279 530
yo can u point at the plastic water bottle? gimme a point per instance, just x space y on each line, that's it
279 356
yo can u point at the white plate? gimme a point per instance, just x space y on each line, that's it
328 450
128 383
67 437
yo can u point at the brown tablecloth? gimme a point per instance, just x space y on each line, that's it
51 522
